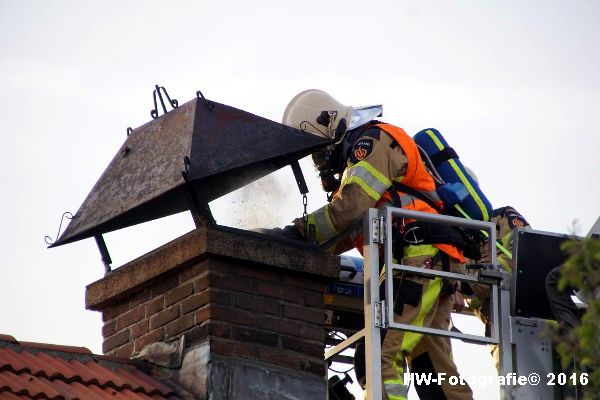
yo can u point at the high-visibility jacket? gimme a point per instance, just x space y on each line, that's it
506 219
381 155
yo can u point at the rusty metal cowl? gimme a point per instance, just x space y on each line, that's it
200 150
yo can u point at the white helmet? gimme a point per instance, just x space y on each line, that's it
316 112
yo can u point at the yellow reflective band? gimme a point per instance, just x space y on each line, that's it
506 240
376 174
311 221
411 339
462 177
420 250
364 186
398 365
399 381
484 233
394 397
323 224
504 263
373 182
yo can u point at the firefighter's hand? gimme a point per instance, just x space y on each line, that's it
292 232
287 232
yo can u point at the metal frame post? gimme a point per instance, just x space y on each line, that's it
392 266
378 314
371 302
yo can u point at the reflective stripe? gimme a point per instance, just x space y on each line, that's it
373 182
463 178
419 250
406 200
505 264
432 194
507 240
395 390
411 339
322 221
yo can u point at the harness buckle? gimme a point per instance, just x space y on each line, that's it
416 238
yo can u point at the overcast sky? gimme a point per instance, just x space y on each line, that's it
513 86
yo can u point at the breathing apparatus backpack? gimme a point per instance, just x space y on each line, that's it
457 189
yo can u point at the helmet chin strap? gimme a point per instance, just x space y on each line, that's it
304 124
340 131
328 119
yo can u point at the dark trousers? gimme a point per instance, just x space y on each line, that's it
564 309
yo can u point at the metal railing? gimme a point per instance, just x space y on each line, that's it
378 315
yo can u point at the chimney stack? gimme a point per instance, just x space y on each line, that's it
248 307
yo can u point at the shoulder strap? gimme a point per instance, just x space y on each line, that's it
443 155
419 195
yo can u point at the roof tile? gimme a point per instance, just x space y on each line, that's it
42 371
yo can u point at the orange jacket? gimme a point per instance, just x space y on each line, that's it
416 177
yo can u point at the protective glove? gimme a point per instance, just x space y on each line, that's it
287 232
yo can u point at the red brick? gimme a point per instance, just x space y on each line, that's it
201 283
298 345
279 357
139 298
279 325
130 317
220 330
178 293
165 284
232 348
179 325
253 303
109 328
304 282
164 317
291 327
155 305
141 328
221 265
193 272
203 314
116 340
196 335
114 310
124 351
258 273
313 299
304 314
200 332
228 314
220 297
231 282
244 334
314 332
194 302
149 338
279 291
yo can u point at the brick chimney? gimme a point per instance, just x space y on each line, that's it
249 309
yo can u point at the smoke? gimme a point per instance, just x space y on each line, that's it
271 201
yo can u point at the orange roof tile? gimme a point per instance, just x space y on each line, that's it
42 371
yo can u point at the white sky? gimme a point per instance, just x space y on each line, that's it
513 86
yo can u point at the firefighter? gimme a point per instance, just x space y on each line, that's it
507 219
369 164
